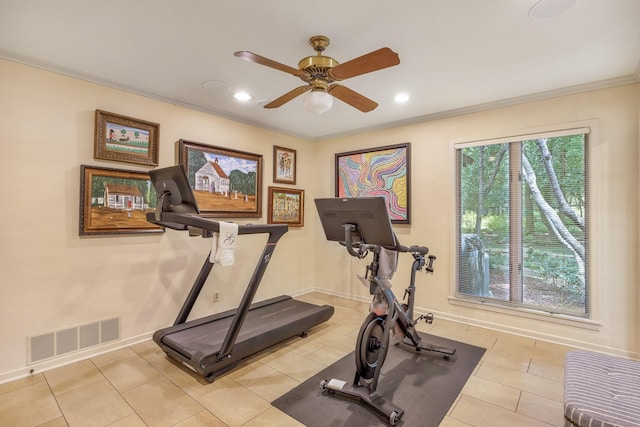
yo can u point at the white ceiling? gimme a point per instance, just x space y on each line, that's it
455 55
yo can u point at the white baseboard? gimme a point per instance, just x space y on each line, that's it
527 333
95 351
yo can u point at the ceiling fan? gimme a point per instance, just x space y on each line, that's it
321 72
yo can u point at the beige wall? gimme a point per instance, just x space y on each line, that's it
613 115
52 279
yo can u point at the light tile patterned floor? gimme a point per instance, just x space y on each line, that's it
519 382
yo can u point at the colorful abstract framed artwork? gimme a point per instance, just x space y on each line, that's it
286 206
225 182
115 201
125 139
382 171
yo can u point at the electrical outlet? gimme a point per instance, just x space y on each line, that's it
216 296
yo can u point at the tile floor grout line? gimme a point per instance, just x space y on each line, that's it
56 400
119 393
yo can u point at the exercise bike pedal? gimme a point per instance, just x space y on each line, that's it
428 318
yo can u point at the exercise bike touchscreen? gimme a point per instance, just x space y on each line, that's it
368 215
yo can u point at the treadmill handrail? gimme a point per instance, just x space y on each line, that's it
275 231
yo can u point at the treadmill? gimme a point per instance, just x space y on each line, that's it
215 344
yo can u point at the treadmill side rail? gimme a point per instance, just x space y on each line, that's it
169 219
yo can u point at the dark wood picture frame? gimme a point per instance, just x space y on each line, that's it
115 201
226 183
286 206
125 139
380 171
284 165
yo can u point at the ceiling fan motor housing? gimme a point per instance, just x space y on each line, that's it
317 67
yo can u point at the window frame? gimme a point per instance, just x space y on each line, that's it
585 320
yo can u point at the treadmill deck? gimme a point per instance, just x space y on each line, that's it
267 323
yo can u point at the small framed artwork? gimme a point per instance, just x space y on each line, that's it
286 206
284 165
226 183
125 139
382 171
115 201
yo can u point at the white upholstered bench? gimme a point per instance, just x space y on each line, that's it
601 390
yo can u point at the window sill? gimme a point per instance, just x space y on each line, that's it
527 313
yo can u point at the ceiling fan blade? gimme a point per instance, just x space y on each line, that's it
252 57
373 61
288 97
352 98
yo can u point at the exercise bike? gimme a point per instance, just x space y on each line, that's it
388 320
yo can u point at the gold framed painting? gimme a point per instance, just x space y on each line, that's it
125 139
115 201
225 182
286 206
284 165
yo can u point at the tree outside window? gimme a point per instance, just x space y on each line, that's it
521 222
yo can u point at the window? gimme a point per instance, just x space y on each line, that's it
522 211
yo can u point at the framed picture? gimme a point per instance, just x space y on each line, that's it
115 201
226 183
284 165
125 139
381 171
286 206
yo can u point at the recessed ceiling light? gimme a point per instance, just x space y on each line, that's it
242 96
401 98
545 9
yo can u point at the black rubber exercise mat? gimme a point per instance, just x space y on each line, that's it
425 385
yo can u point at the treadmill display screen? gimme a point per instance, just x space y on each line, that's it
173 180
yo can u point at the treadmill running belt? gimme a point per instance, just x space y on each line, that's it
207 338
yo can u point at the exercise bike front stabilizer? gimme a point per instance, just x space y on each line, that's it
362 225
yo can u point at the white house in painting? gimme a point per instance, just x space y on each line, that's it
212 178
120 196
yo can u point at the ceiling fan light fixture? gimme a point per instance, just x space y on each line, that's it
318 101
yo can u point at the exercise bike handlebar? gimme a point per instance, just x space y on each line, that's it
422 250
413 249
363 247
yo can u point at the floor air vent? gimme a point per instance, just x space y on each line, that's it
58 343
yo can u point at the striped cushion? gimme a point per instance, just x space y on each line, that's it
601 391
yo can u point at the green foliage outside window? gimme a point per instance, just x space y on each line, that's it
526 201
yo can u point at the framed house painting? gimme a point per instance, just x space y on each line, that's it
286 206
115 201
226 183
125 139
382 171
284 165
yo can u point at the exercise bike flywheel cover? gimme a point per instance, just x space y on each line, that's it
370 350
